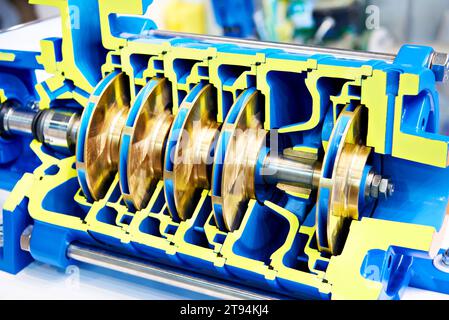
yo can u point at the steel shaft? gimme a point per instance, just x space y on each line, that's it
145 269
293 172
306 174
54 127
17 121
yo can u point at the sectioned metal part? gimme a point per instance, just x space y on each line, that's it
438 61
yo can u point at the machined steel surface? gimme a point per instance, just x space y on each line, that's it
289 171
58 128
17 121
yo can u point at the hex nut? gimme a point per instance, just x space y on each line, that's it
383 188
375 184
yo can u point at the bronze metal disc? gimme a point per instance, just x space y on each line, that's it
349 164
147 144
238 180
101 149
192 157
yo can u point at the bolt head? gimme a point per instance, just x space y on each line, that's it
440 66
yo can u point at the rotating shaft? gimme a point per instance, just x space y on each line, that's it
306 174
56 128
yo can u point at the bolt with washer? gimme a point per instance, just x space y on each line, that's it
379 187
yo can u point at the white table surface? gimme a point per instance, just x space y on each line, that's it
40 281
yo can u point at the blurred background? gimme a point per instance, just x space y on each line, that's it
373 25
379 25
